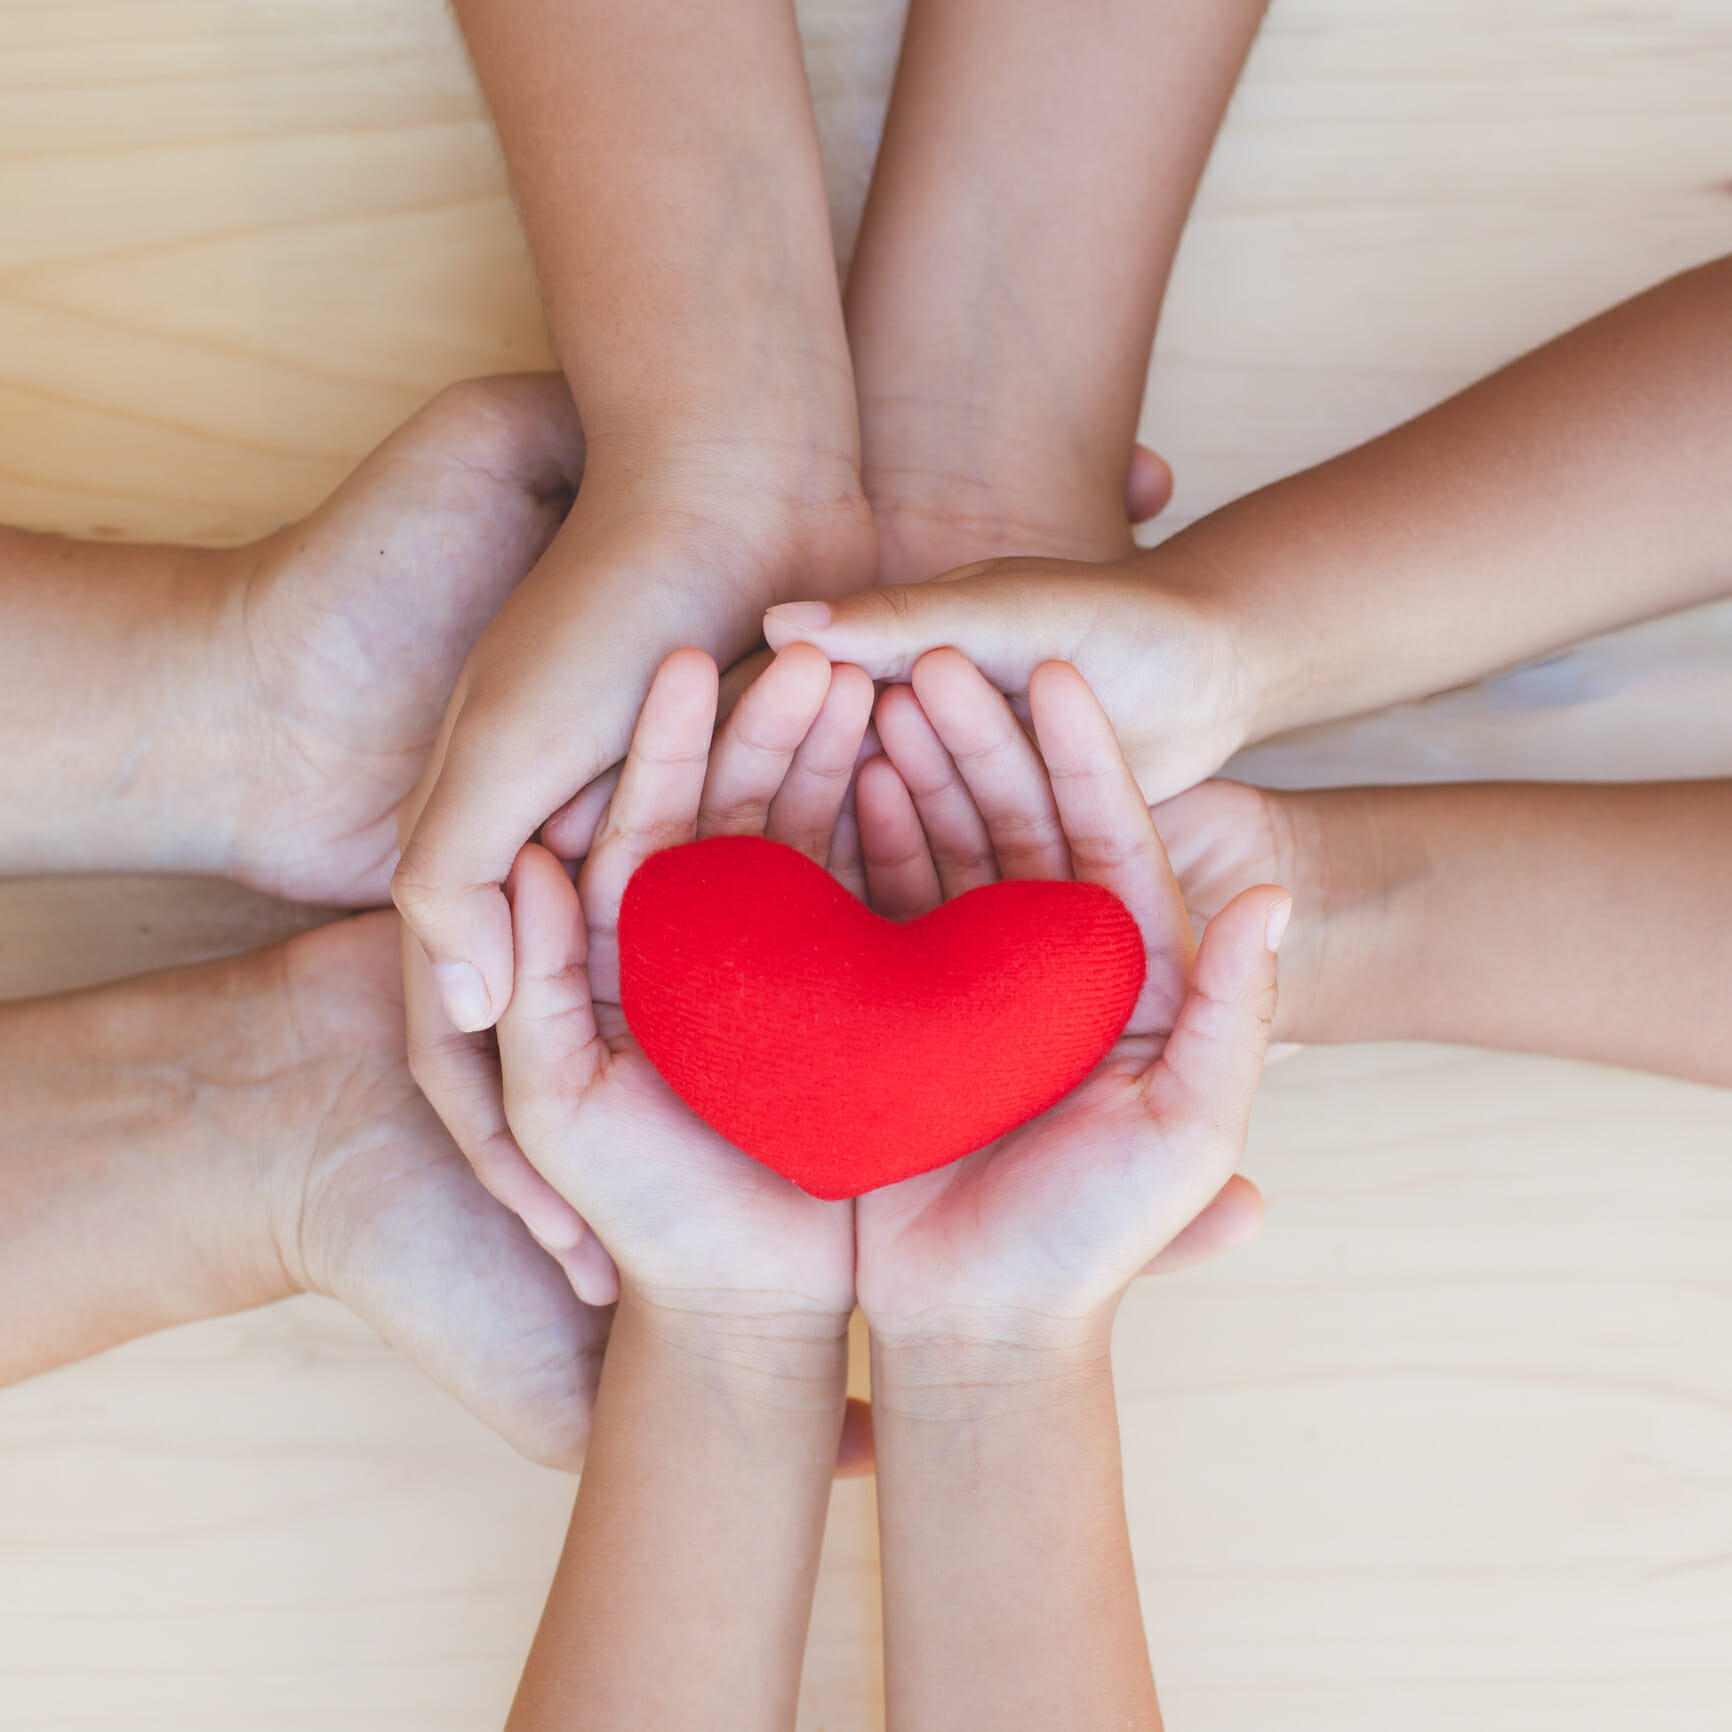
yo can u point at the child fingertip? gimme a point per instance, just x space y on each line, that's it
1275 927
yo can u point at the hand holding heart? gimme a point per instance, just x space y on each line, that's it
1054 1217
1043 1229
691 1223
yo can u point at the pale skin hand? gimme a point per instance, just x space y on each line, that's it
1028 196
1596 911
1577 490
734 1286
266 710
263 711
990 1285
706 350
211 1139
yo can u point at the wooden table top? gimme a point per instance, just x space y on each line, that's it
1452 1443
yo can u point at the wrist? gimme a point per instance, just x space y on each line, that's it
774 518
951 482
1357 879
987 1373
1243 660
133 1170
248 1074
117 685
783 1358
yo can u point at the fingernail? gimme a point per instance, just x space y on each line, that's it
1276 929
800 615
465 995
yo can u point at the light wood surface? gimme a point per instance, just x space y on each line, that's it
1452 1443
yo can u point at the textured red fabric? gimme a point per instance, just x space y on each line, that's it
846 1050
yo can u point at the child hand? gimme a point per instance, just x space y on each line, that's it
690 1224
1181 688
1036 1236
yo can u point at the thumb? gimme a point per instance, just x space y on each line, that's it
465 929
548 1042
483 793
1231 1219
1148 484
1201 1086
550 1050
1006 615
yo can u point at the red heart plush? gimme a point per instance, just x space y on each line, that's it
848 1051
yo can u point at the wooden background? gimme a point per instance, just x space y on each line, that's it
1452 1443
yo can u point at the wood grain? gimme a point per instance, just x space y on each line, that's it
1452 1444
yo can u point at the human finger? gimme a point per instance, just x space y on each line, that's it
570 832
955 831
1199 1090
807 807
1148 484
901 880
655 805
549 1047
1005 616
997 762
459 1075
752 751
1233 1217
1110 834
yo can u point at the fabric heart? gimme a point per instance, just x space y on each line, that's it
848 1051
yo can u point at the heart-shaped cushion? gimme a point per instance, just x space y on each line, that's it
848 1051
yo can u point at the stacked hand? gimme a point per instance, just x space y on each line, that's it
324 654
683 550
343 634
372 1203
1045 1227
1183 686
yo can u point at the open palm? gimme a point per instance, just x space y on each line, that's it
1053 1219
686 1218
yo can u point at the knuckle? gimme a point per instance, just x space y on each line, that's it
558 1444
482 413
896 603
418 895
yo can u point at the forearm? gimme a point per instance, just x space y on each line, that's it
1036 169
114 710
666 165
1009 1595
1578 919
685 1590
1581 488
131 1199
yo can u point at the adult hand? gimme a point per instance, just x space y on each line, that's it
344 633
374 1205
205 1140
